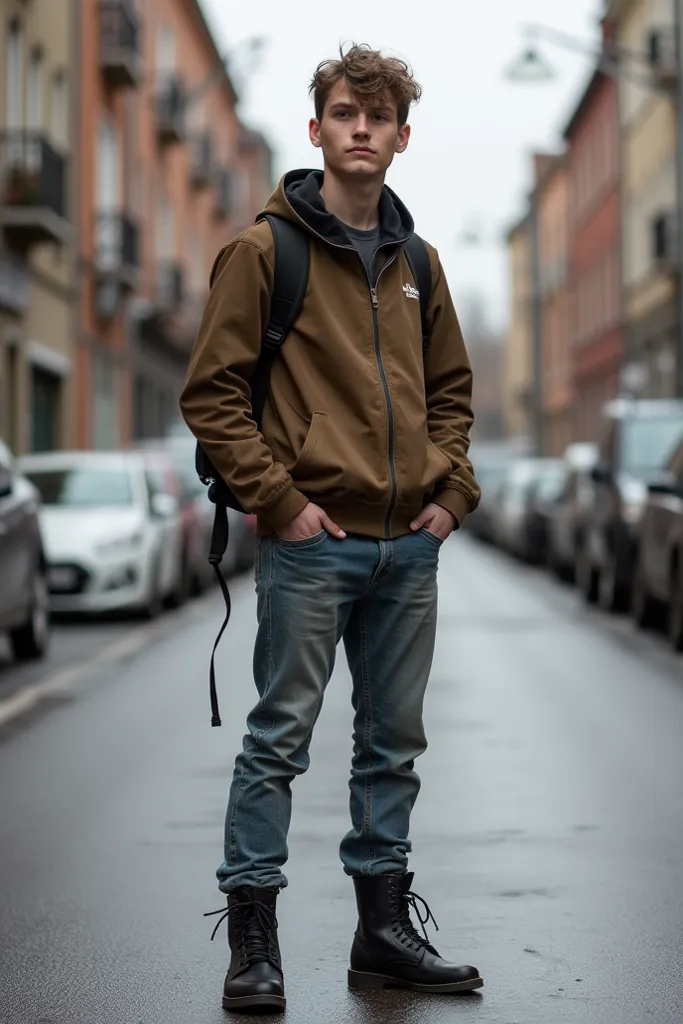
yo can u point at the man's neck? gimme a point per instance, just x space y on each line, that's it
356 205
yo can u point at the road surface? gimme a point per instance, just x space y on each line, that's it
548 836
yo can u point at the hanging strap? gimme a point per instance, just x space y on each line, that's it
292 261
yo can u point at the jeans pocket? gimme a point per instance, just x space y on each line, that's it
305 542
432 537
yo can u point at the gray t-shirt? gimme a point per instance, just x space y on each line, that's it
365 242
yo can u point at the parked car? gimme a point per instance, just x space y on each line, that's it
490 470
24 612
639 438
567 514
169 461
113 533
658 577
516 521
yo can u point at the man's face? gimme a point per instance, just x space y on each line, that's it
358 141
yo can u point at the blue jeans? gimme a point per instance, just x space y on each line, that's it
381 598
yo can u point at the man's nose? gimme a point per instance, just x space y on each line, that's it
362 127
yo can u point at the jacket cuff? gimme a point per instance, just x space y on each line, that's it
454 501
285 508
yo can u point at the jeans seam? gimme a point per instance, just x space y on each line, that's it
247 757
367 740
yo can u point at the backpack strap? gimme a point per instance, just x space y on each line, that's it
420 267
292 262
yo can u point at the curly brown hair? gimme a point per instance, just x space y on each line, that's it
370 76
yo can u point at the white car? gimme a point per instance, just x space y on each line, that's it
113 538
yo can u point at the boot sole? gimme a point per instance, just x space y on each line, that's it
255 1004
361 979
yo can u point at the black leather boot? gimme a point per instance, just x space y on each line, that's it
387 950
254 981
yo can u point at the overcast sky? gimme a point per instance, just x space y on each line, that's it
468 159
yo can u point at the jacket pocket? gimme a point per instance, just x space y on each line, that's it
445 461
306 457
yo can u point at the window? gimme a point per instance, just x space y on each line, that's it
104 400
59 110
165 229
14 98
166 57
83 486
108 184
35 91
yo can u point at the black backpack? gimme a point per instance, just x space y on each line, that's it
292 261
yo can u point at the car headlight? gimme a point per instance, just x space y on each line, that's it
120 545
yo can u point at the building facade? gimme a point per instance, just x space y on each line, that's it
648 149
166 172
517 359
557 392
595 252
37 223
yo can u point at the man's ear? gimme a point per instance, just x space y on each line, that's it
403 138
314 132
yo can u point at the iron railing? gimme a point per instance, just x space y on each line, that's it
32 172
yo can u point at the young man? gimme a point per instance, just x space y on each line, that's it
358 475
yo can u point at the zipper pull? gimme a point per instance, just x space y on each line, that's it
373 295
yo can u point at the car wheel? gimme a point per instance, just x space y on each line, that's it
183 587
586 577
675 615
644 608
611 596
31 640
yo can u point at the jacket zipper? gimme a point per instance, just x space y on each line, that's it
387 396
380 365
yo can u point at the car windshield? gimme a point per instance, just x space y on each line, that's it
83 487
648 444
549 486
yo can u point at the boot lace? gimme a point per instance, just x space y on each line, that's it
255 927
405 901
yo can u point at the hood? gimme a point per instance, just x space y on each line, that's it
69 532
298 198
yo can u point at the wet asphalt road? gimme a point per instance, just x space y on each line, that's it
548 836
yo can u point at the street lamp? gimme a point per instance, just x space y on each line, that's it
619 63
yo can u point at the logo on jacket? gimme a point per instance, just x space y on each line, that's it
411 293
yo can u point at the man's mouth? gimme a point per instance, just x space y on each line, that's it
362 149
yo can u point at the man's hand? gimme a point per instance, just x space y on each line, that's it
437 520
312 520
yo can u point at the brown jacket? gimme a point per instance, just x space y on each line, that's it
353 421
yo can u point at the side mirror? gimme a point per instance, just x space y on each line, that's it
164 506
601 473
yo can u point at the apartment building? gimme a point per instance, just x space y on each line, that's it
168 175
557 391
648 203
592 137
517 360
37 223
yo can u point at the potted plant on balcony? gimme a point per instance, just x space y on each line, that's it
22 186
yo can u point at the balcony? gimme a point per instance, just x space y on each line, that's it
116 248
223 185
169 287
32 190
14 284
170 111
119 44
201 160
